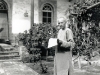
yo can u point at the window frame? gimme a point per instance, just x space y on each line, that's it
3 5
46 11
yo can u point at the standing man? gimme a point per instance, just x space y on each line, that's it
63 54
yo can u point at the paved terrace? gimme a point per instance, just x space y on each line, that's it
19 68
15 68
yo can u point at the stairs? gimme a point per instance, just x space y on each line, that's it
9 54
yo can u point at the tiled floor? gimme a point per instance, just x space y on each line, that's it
15 68
83 72
19 68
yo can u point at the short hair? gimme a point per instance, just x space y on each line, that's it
62 19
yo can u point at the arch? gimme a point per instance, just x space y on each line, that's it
49 3
53 4
47 13
47 7
3 5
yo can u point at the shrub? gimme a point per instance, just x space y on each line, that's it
36 41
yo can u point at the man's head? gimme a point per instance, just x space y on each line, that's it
62 23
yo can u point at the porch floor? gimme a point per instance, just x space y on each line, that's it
15 68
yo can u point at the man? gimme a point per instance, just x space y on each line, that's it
63 55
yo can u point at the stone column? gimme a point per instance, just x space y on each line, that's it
24 55
32 12
36 11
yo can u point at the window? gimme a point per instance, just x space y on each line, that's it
2 6
47 13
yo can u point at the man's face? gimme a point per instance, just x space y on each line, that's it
61 24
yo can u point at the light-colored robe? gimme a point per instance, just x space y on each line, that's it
63 60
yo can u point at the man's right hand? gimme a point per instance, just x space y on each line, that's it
59 41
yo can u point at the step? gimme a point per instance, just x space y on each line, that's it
9 56
50 58
12 60
8 52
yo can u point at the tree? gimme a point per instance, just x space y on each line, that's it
86 33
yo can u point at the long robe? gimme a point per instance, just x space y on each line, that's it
63 60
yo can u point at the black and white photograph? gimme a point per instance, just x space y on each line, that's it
49 37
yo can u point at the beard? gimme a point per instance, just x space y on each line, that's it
62 27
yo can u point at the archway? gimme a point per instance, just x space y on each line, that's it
4 20
47 13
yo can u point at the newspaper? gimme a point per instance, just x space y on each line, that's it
52 42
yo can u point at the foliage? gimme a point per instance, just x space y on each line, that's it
36 39
86 35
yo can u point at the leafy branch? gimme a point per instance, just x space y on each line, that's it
36 39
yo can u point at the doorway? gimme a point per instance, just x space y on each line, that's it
4 34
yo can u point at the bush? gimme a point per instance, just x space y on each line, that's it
38 35
36 41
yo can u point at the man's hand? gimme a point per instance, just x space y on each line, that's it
59 41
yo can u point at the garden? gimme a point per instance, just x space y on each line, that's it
86 32
36 42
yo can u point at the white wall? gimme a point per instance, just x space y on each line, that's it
36 11
19 22
62 6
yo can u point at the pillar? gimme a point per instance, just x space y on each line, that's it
32 12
